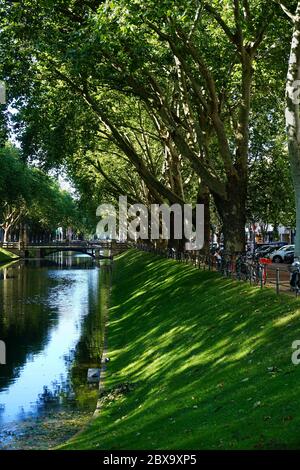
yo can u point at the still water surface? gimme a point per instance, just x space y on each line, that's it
51 319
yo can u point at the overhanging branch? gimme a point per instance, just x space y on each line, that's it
289 14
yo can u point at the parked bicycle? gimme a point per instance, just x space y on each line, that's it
250 269
295 277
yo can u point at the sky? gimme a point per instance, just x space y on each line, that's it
63 180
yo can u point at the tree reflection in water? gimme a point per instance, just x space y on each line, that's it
52 320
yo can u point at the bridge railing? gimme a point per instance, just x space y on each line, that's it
93 244
11 245
57 243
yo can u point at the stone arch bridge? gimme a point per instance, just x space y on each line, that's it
97 250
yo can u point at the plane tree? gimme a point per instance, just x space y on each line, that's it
292 108
27 194
193 67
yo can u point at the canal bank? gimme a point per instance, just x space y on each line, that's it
196 362
52 321
6 256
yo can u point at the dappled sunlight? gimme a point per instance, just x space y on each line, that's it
211 360
287 319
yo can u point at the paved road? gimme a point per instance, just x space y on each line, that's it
284 275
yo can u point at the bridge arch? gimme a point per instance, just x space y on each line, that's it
92 249
51 251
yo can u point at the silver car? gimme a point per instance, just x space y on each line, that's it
278 255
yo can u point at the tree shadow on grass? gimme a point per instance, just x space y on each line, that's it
212 359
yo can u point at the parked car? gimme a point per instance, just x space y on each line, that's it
289 257
278 255
266 251
258 250
277 245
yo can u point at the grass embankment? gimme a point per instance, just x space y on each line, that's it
6 256
211 359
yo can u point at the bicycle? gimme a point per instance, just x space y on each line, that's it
295 277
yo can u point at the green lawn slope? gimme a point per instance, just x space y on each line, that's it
6 256
210 359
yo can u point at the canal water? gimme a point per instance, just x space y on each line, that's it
52 316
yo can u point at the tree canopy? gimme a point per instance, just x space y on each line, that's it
164 101
27 194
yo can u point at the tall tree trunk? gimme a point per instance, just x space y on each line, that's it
5 234
232 212
204 198
178 245
293 119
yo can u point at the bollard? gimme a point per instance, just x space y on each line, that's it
277 281
261 275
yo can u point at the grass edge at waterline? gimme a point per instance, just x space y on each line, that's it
6 256
196 362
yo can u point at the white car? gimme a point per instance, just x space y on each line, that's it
278 255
